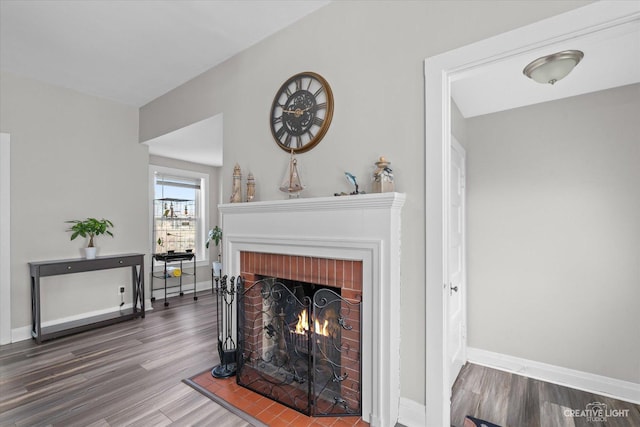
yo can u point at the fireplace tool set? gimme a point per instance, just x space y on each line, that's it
225 296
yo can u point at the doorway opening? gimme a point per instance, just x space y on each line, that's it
440 72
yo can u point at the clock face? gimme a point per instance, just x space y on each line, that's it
301 112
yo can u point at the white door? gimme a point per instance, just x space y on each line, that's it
457 273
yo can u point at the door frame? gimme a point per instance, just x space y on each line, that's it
440 71
5 242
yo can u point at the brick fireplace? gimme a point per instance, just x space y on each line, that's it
351 246
299 335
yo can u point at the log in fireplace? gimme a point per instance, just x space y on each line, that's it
299 344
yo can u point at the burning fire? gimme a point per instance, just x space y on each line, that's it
303 325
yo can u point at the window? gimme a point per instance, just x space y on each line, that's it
179 211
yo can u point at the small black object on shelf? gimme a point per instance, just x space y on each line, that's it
227 349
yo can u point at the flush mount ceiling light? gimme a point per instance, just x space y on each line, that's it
551 68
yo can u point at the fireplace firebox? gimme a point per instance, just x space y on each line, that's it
299 344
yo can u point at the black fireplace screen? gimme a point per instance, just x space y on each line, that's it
299 344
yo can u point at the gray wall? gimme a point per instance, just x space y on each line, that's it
72 156
372 55
554 233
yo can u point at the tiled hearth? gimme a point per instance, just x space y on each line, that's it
270 413
353 239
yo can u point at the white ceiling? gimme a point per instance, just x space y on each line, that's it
611 59
134 51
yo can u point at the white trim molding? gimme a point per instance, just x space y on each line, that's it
598 384
412 413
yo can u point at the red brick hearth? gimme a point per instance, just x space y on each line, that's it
269 412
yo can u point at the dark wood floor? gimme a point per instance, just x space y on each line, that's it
125 374
130 374
511 400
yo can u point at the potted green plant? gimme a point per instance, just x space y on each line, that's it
90 227
215 235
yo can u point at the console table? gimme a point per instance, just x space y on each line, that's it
58 267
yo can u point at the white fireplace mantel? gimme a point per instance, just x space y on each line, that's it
362 227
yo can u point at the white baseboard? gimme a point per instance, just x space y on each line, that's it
203 286
24 333
21 334
598 384
412 413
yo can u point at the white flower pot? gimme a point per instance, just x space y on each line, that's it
90 253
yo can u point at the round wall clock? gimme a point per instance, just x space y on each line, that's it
301 112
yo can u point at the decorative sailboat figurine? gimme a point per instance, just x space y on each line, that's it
292 184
